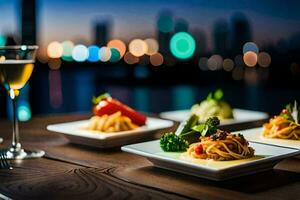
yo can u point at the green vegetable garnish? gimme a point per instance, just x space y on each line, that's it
188 133
292 112
96 100
218 95
209 127
173 143
186 126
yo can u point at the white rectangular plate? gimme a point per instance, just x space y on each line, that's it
266 157
254 135
73 131
240 116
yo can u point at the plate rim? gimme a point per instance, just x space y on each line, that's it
106 136
264 115
129 149
262 142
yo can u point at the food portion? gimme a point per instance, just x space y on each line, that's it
221 146
111 123
110 115
105 104
284 126
206 141
213 106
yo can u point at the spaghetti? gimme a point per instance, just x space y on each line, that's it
221 146
282 128
115 122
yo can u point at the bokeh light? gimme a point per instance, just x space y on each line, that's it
250 46
54 63
67 50
115 55
80 53
138 47
130 59
153 46
228 64
250 58
54 50
119 45
156 59
104 54
93 53
238 60
23 111
2 58
215 62
203 63
23 47
264 59
2 40
182 45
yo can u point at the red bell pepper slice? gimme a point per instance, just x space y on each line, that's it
108 105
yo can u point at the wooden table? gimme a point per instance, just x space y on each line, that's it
78 172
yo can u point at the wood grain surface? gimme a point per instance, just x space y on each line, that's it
71 171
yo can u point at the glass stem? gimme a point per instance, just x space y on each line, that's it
16 146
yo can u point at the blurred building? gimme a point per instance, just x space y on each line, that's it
28 19
201 42
241 32
181 25
164 29
101 32
221 37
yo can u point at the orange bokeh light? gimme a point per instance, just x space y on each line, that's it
250 58
156 59
130 59
119 45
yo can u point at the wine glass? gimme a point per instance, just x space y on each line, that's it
16 66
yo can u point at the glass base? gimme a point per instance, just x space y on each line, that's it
23 154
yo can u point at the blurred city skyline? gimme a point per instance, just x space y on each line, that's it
253 43
56 21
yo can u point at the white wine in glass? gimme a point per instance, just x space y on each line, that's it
16 66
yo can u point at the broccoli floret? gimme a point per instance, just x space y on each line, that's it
212 124
213 121
172 143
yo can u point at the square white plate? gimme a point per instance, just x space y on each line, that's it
72 131
254 135
240 116
266 157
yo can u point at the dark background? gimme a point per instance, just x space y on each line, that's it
219 28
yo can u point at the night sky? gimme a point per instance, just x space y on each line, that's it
73 20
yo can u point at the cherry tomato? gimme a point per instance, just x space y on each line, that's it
199 149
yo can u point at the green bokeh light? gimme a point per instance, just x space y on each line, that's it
115 55
24 113
182 45
2 40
